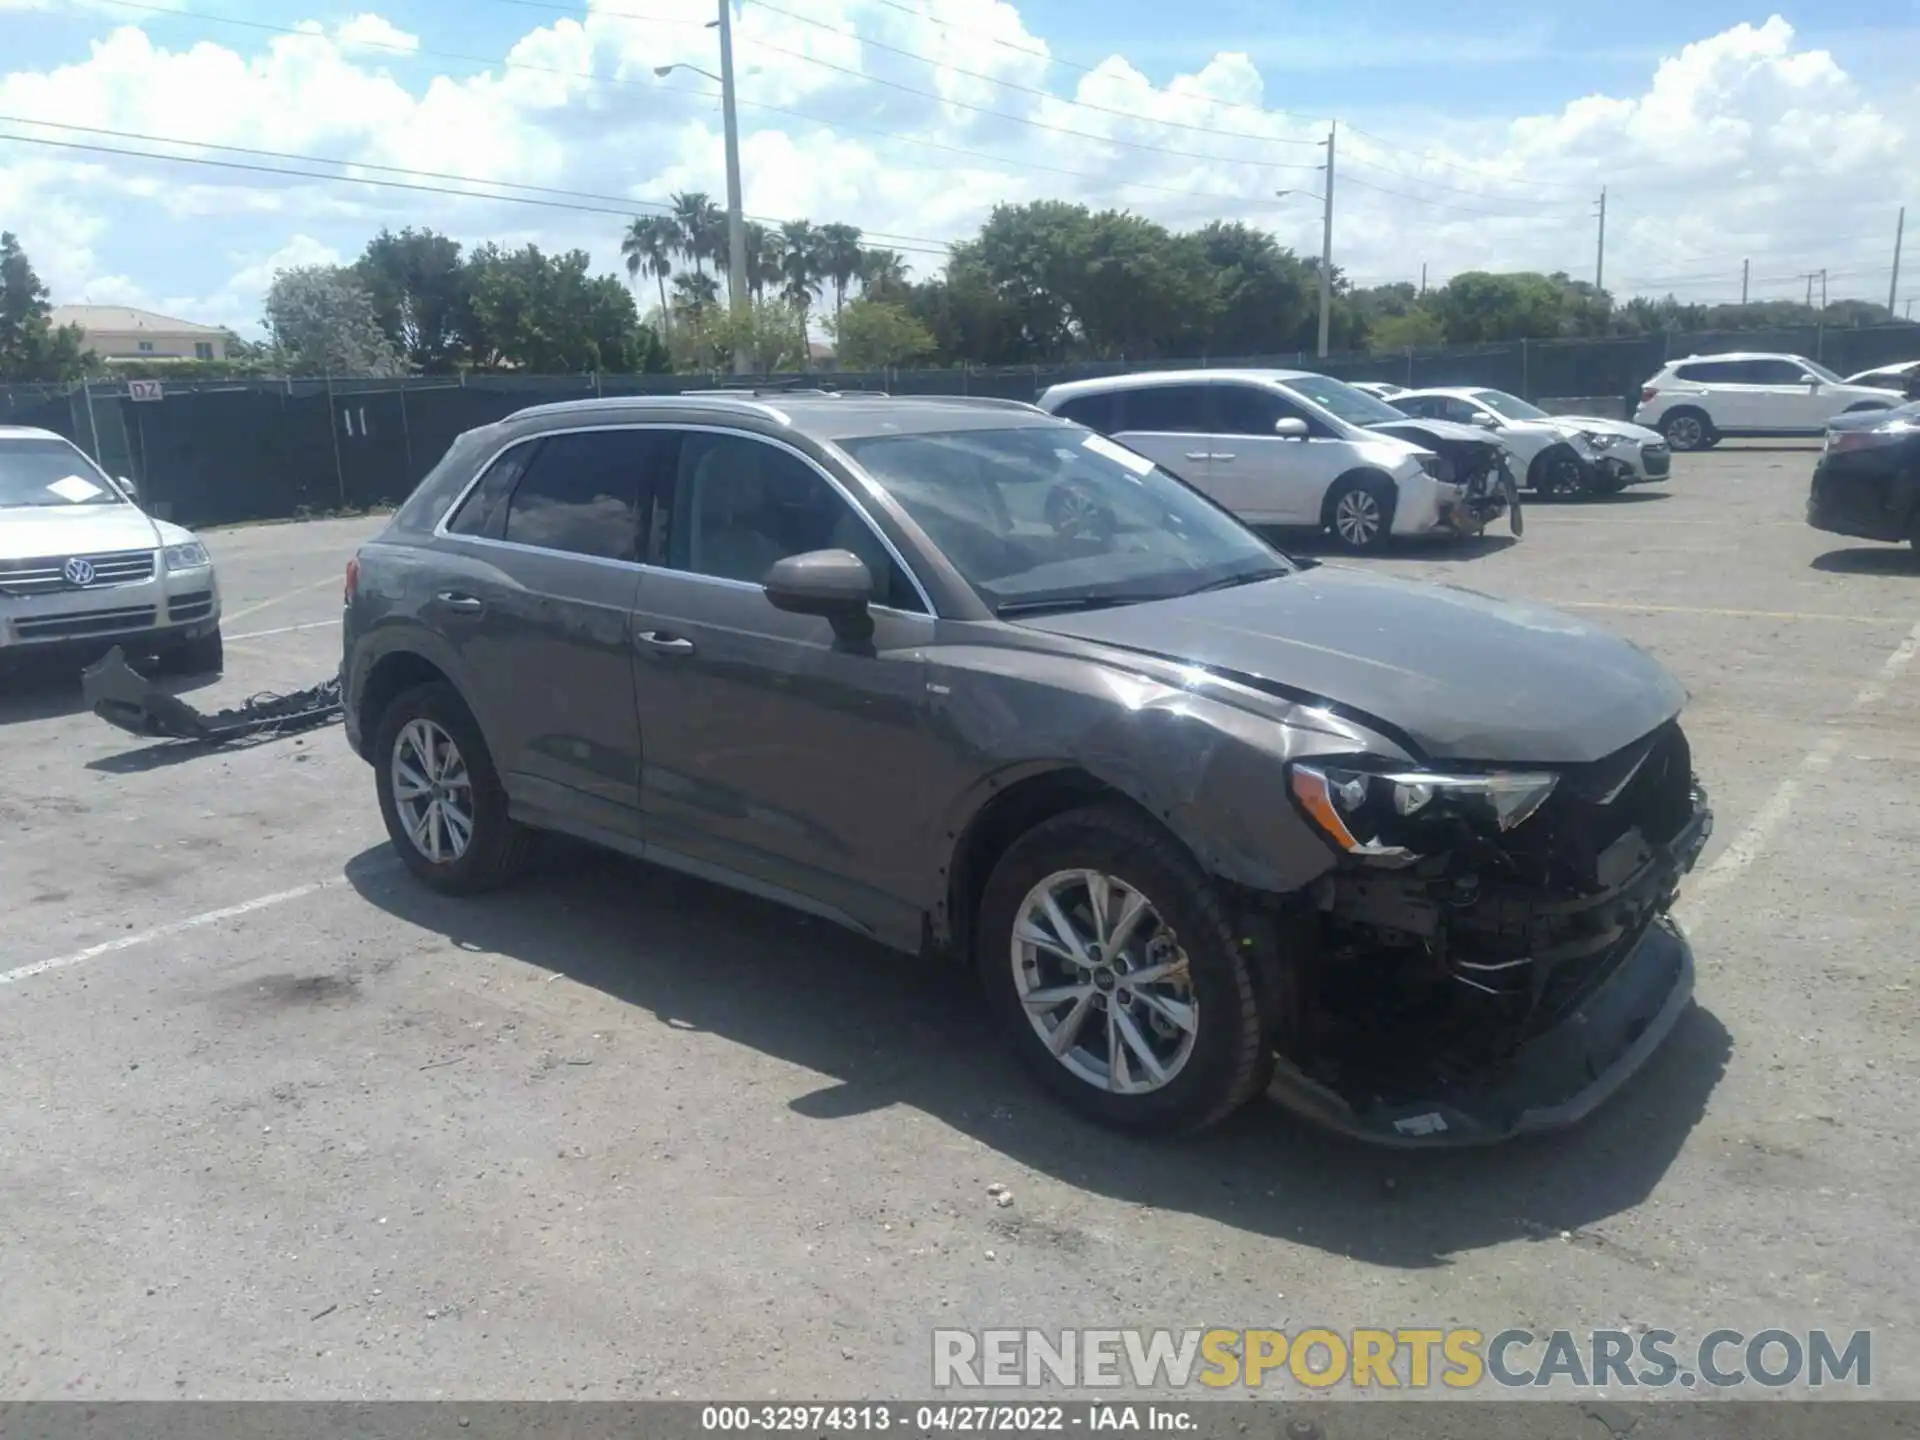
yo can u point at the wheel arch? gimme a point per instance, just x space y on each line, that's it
1356 475
389 677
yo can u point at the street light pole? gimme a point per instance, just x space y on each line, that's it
736 221
1326 244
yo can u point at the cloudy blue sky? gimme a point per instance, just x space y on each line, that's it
1473 134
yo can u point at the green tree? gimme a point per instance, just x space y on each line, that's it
883 275
1415 328
840 257
418 286
700 226
763 260
871 334
800 271
1265 297
704 340
547 314
1478 307
31 347
648 248
694 290
322 321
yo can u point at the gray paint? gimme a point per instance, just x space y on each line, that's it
839 774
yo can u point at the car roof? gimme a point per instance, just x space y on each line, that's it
28 432
1139 379
1737 355
820 414
1460 391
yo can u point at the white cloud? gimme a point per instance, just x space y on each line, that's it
1745 143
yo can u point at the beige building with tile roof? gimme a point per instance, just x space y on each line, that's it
120 332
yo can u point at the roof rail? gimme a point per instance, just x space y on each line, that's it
986 402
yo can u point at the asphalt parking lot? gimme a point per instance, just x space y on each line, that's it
276 1122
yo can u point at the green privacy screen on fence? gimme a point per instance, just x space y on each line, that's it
210 452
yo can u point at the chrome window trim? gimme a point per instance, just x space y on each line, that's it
441 532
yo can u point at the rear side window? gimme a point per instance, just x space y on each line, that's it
581 492
1174 409
1096 412
483 514
1421 407
1773 372
1710 372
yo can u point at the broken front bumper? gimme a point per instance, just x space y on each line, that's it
123 697
1557 1076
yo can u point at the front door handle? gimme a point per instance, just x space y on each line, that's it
458 603
666 644
1199 455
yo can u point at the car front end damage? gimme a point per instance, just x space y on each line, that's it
1494 954
1475 485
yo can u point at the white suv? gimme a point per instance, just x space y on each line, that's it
82 567
1698 401
1267 452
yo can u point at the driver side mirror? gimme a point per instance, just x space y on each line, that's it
1291 428
133 490
1486 420
833 584
1812 381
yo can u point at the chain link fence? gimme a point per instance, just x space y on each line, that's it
207 452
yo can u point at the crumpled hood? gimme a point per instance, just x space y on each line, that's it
32 532
1464 676
1573 424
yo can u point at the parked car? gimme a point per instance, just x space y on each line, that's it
1867 483
1379 389
82 568
1565 455
1267 454
974 681
1902 377
1698 401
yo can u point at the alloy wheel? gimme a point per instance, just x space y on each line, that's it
1357 519
432 791
1104 982
1685 432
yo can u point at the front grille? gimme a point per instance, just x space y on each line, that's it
195 605
47 575
91 622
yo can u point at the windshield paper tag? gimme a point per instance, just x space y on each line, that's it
1119 454
74 490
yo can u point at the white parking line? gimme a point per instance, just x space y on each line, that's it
260 605
1749 845
161 932
284 629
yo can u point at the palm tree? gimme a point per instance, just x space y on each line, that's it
840 259
882 272
695 290
648 246
763 261
800 272
698 224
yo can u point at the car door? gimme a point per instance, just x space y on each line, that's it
1794 398
1170 425
779 756
1271 479
537 601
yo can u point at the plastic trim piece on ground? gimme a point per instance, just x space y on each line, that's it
123 697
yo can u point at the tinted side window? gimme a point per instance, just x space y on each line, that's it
1178 409
581 493
1096 412
1458 410
738 505
1251 410
1771 372
1712 372
1421 407
484 512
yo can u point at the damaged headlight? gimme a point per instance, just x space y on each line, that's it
1391 815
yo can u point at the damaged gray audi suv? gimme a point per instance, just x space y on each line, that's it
975 681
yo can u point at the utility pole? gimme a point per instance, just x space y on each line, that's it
1810 277
1326 245
1899 234
1423 279
1746 274
1600 260
736 222
1823 292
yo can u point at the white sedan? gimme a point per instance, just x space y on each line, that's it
1561 454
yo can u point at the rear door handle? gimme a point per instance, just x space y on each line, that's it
666 644
458 603
1221 458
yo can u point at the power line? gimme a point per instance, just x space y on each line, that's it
654 88
1444 205
625 210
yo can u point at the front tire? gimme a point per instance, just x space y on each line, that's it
1557 471
1110 962
440 796
1359 511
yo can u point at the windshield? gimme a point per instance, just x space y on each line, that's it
1356 407
1511 406
1818 370
1055 517
51 473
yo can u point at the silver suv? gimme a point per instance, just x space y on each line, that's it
82 567
971 680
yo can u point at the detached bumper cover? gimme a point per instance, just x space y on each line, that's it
124 698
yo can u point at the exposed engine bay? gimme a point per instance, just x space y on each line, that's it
1478 464
1437 956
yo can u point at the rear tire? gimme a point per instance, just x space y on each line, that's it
206 655
479 846
1359 511
1192 1042
1688 428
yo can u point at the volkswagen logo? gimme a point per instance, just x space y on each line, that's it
78 572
